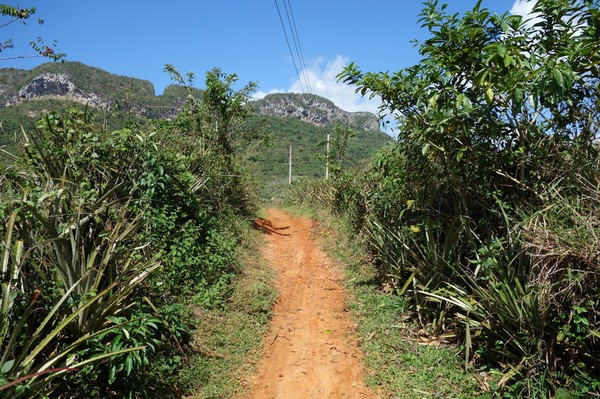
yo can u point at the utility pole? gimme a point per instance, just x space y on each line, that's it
327 160
290 167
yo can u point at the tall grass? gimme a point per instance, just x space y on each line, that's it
78 255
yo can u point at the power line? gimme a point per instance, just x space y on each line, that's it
296 40
299 53
289 47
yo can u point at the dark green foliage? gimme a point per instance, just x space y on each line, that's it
474 213
77 249
200 254
25 115
114 230
144 373
216 123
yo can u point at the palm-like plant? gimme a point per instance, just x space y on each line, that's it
37 340
71 264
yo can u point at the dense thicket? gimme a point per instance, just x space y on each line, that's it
486 210
107 235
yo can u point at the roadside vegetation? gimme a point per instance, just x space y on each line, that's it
403 359
114 239
120 257
482 220
229 338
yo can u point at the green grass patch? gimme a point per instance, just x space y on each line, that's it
408 364
229 340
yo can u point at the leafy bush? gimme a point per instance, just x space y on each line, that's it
162 333
92 214
483 211
61 291
198 264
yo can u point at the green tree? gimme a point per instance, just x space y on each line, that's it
338 147
499 101
219 120
495 166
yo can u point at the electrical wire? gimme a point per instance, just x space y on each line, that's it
299 53
302 78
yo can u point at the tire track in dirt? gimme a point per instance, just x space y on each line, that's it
310 351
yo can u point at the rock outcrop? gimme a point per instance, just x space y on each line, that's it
73 81
313 109
58 85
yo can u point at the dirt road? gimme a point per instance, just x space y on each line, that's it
310 351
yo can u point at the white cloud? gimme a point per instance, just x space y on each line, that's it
260 94
522 7
322 77
323 82
525 9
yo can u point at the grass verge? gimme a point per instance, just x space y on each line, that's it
402 360
230 339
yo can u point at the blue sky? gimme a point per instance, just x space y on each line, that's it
137 38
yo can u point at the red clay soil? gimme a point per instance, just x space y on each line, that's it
310 351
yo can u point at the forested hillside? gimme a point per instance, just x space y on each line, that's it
115 101
308 143
25 95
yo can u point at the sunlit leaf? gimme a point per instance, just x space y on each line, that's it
489 95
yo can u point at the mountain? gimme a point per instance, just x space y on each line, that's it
313 109
308 149
300 120
74 82
303 122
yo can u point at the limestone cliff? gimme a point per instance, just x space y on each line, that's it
313 109
58 85
73 81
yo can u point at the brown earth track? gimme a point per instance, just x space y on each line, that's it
310 351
